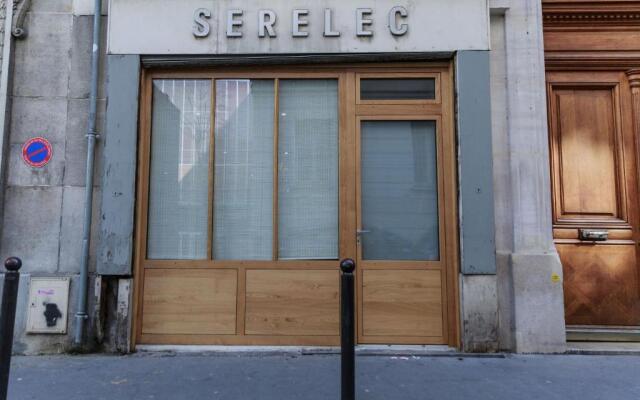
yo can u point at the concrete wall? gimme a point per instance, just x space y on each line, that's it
3 14
501 177
165 27
531 308
520 308
43 207
5 24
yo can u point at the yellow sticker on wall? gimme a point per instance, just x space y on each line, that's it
555 278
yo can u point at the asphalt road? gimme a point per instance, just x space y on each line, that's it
310 377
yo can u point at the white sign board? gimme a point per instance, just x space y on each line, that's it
296 26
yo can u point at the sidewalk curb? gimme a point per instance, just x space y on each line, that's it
580 352
293 351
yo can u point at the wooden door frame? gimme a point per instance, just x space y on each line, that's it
349 109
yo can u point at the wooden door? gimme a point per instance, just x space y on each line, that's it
595 197
404 199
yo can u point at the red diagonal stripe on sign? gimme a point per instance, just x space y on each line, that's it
34 153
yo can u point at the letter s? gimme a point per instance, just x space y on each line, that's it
201 27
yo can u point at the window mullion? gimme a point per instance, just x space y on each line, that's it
212 166
276 127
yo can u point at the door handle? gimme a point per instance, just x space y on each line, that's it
361 232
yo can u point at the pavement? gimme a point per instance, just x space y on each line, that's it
176 376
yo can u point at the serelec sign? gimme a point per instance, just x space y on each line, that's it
188 27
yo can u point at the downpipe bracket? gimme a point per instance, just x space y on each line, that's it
81 318
18 30
82 315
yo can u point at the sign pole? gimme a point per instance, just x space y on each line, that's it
347 326
7 320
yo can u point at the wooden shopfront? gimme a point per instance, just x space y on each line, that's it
254 182
275 140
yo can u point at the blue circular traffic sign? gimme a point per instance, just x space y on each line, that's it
37 152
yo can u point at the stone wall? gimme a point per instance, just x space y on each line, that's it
531 306
3 13
43 208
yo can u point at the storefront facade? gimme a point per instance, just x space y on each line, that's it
290 168
269 276
248 147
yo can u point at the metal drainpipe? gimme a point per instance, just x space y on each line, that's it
81 312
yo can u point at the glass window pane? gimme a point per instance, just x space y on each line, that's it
243 189
308 169
398 89
399 190
178 187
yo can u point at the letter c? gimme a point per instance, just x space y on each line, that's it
395 28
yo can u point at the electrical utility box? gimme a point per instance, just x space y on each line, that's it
48 305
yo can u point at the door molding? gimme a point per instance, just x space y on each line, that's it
591 34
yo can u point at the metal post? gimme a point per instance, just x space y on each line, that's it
7 319
347 325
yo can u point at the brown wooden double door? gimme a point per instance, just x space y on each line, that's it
594 163
255 183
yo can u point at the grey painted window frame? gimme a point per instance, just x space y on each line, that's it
475 163
115 246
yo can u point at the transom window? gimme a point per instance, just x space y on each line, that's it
398 89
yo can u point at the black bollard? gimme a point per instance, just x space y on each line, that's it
7 320
347 326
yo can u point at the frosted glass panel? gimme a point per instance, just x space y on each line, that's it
399 190
243 190
178 188
308 169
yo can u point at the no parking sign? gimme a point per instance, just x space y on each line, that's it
37 152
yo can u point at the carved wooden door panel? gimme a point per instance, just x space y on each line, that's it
595 196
